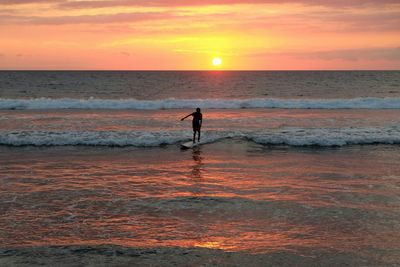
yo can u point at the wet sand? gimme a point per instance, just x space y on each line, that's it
74 256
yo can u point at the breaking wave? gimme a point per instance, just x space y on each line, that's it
292 136
95 103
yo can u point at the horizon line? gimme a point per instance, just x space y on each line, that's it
199 70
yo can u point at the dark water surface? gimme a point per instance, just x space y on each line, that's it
198 84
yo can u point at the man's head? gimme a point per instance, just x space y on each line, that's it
198 109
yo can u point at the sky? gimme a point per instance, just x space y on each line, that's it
189 34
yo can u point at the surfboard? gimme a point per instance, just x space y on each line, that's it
189 144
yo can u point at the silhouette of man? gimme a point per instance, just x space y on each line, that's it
196 123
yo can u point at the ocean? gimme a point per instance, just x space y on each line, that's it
295 168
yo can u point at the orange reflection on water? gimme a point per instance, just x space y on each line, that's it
209 244
234 196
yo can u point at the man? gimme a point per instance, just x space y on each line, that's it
196 123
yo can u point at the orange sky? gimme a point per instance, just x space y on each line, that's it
188 34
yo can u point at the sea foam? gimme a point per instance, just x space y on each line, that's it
95 103
292 136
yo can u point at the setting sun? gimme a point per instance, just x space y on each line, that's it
217 61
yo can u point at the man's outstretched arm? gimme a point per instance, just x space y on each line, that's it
186 116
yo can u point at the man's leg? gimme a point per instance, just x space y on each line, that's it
194 136
198 140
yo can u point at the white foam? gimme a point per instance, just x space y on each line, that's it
93 103
103 138
288 136
297 136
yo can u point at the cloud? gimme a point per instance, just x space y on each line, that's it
378 20
112 3
89 19
338 20
21 2
154 19
178 3
334 18
390 54
371 54
4 11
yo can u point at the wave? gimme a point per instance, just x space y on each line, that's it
292 136
171 103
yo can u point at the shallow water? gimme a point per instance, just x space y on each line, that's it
231 195
162 127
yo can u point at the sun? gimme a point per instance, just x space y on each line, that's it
217 61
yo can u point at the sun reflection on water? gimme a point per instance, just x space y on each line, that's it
232 196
